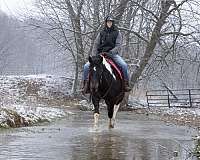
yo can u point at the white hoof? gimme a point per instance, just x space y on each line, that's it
96 119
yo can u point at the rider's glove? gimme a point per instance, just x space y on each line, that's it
107 54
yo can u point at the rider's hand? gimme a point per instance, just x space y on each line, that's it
107 54
103 53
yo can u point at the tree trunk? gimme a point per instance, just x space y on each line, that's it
149 49
76 24
152 43
75 83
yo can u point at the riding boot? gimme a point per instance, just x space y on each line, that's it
127 88
85 88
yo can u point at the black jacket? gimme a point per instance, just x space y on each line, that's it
108 40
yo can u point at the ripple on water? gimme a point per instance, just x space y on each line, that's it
75 138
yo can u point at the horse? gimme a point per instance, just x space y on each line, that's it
105 83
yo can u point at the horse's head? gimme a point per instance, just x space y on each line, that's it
96 71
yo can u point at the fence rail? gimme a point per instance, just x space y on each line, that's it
187 98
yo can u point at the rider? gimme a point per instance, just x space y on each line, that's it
108 41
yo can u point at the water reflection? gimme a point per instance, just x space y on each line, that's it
115 146
134 138
105 145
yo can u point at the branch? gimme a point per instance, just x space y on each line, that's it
137 34
143 8
176 33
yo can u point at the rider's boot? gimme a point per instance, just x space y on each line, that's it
127 88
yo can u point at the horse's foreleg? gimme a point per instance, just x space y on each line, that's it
96 119
113 120
111 123
116 108
110 115
96 110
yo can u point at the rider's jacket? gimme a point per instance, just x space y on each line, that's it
107 39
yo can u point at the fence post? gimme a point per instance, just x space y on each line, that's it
190 99
168 99
147 99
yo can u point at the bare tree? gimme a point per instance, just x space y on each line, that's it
71 25
153 30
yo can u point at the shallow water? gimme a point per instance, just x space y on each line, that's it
135 137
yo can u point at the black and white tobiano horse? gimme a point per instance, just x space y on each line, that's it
107 84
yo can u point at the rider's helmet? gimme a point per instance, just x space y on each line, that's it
110 18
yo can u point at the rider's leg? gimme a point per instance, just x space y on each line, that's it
86 71
124 67
85 87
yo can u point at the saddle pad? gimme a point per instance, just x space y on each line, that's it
110 61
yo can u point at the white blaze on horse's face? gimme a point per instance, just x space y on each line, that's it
108 67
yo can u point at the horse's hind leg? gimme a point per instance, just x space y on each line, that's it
112 112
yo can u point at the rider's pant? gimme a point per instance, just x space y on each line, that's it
86 71
121 64
117 59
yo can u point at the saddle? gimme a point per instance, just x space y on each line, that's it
113 65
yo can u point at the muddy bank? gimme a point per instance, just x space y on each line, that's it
176 116
27 100
21 116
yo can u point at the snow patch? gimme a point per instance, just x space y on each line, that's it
23 99
28 115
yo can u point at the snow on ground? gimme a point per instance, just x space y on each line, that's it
19 115
177 115
188 116
24 99
30 99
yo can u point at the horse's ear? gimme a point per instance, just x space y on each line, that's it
90 59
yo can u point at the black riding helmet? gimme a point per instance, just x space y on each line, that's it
109 18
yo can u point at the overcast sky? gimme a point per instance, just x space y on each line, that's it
15 7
